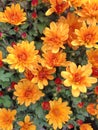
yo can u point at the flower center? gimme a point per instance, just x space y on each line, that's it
26 126
61 7
88 37
28 93
42 74
77 78
22 56
55 40
56 112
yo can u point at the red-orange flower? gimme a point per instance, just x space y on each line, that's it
55 37
91 109
41 76
13 15
6 119
27 92
57 6
54 59
86 126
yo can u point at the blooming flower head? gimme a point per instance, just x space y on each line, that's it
54 59
27 124
74 23
22 56
55 36
58 114
13 15
78 77
27 92
91 109
92 56
86 126
6 118
89 11
57 6
41 76
87 36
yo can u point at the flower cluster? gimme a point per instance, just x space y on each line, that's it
48 64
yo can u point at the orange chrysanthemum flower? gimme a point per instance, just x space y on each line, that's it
57 6
91 109
6 119
22 56
96 90
89 11
78 77
42 75
87 36
92 56
27 124
27 92
55 37
58 114
86 126
13 15
74 23
54 59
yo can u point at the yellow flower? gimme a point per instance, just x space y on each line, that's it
54 59
89 11
78 77
13 15
27 92
92 56
86 126
87 36
58 114
55 37
42 75
22 56
27 124
57 6
6 119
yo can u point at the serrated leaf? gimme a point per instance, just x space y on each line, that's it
5 76
5 101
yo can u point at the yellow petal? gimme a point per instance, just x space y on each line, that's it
49 12
75 92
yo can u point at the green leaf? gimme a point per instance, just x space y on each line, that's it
5 76
6 101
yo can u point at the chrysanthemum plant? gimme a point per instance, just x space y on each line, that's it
48 64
